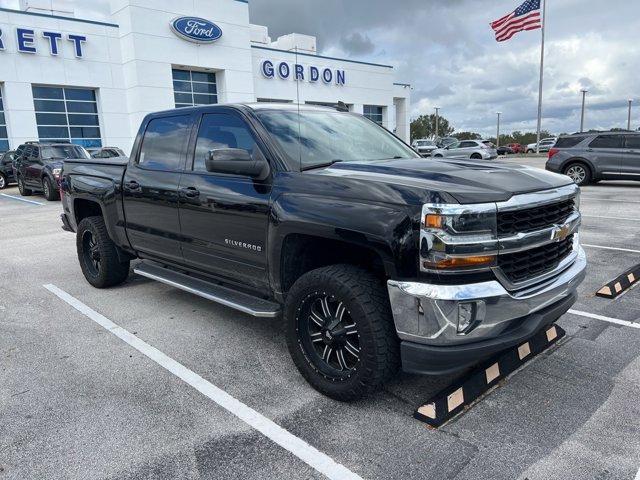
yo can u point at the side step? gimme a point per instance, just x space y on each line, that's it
230 298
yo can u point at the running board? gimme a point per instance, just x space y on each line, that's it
225 296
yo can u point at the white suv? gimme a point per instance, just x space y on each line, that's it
473 149
545 145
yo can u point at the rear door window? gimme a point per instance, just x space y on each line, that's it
568 142
633 142
607 141
165 143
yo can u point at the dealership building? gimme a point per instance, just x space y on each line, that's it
90 82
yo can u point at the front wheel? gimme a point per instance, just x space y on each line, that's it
98 254
50 192
3 181
24 191
340 331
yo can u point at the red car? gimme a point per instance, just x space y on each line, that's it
516 147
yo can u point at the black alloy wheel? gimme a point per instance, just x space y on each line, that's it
329 336
91 252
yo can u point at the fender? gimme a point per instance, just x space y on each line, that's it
386 229
87 183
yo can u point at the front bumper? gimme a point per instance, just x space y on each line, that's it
426 317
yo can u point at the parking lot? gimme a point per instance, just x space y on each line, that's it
76 401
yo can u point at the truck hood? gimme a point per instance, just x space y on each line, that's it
466 181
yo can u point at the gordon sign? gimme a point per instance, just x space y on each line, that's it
194 29
299 72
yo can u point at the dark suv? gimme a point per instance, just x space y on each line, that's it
590 157
6 169
39 165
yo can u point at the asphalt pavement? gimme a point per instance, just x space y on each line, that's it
80 399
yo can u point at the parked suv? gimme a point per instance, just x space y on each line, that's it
39 164
6 169
371 256
473 149
545 145
424 146
593 157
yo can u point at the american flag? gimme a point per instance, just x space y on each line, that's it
525 17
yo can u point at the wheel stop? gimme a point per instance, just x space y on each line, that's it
620 284
459 396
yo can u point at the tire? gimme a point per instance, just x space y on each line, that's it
50 192
98 254
531 151
438 155
578 172
24 191
361 349
476 156
3 181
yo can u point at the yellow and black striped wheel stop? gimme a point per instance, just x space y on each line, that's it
457 397
620 284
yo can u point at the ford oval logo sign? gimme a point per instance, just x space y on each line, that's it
196 29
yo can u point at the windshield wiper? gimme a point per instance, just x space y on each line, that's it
320 165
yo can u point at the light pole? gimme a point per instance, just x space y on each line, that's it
584 94
437 120
629 115
498 132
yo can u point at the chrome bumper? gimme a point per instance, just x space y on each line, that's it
428 314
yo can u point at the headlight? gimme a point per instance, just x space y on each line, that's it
56 172
458 237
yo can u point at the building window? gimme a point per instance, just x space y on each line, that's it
4 138
67 115
192 88
373 112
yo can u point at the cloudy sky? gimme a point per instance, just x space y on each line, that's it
445 49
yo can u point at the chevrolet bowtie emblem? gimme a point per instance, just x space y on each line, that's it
560 233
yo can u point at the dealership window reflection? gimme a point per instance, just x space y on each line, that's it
67 115
191 88
4 138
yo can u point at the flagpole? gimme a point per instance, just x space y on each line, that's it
544 24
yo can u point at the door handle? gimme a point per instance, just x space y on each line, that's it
133 185
190 192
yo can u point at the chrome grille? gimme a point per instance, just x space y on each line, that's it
525 220
528 264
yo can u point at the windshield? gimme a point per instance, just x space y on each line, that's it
318 138
64 151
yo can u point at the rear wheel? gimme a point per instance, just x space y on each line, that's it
3 181
438 155
50 192
24 191
476 156
98 254
340 331
579 173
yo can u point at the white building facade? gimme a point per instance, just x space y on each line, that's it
91 82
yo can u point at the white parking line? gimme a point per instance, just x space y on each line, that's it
608 199
21 199
610 248
610 218
301 449
605 319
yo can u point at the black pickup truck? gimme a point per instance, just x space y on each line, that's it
372 257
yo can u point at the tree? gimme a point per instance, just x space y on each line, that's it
467 136
425 127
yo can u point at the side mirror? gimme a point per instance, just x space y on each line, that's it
237 161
